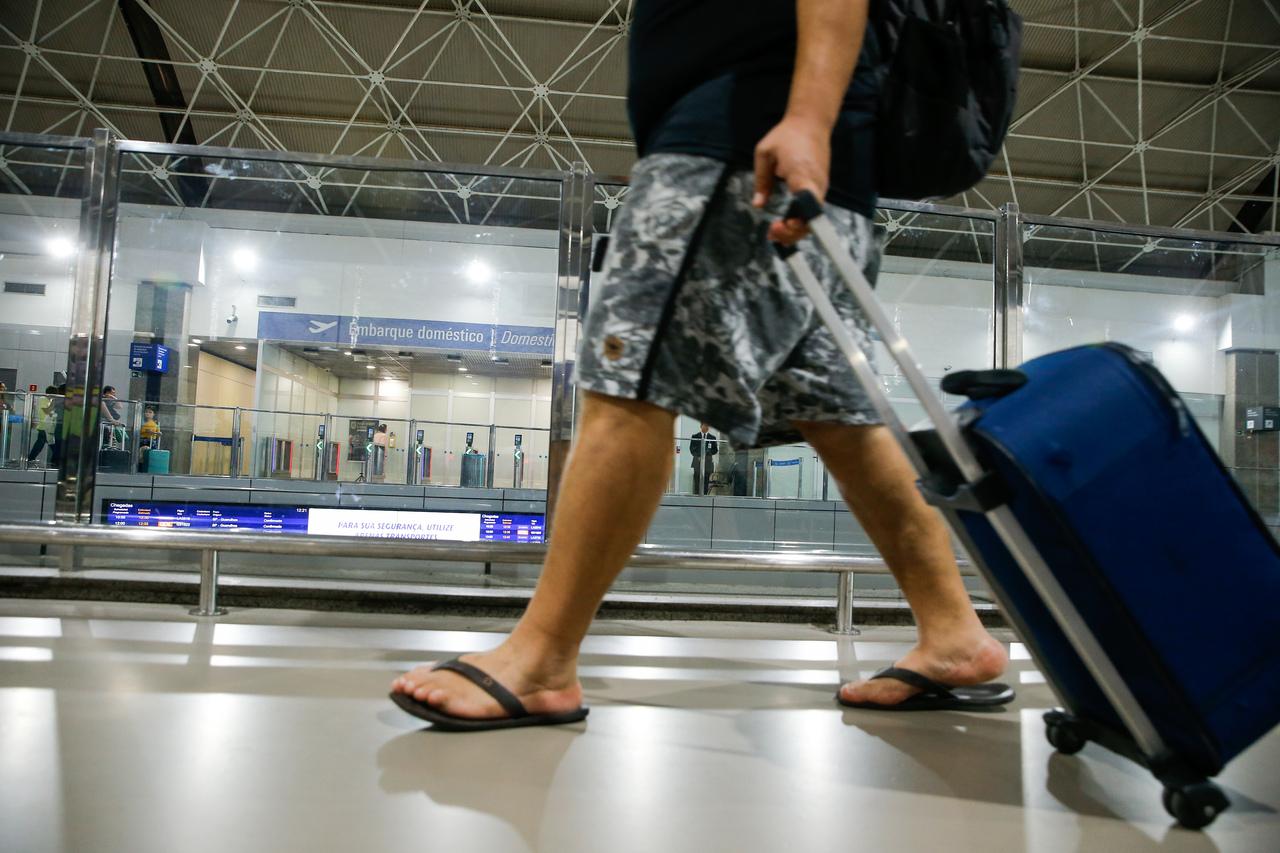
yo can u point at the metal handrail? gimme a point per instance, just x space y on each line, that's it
363 163
342 161
210 545
43 140
1151 231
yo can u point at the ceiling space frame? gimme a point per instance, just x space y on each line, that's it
1202 104
210 68
84 103
375 80
542 95
166 91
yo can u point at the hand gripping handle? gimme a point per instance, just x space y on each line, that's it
805 207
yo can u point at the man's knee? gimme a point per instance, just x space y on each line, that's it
619 413
828 437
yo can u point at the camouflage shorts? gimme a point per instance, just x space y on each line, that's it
692 310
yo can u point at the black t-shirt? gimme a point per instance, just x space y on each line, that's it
712 77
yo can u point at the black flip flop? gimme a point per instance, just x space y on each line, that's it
935 696
517 715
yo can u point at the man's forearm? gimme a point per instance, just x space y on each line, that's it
830 38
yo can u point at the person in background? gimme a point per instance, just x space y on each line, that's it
58 422
148 436
4 397
150 430
110 407
45 422
109 414
380 443
703 447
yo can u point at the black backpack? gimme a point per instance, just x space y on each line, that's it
949 82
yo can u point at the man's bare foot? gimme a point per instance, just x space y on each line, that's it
543 689
973 660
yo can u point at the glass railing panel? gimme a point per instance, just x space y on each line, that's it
1206 313
41 189
520 457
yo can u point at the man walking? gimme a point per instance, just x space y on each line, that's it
732 113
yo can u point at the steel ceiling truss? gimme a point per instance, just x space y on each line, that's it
538 131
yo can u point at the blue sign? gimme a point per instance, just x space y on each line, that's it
783 463
394 331
149 358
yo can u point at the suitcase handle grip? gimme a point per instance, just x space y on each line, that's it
804 206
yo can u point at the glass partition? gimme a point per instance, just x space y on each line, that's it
41 192
1204 312
297 306
15 428
316 334
520 457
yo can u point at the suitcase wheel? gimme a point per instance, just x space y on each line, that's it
1194 806
1065 736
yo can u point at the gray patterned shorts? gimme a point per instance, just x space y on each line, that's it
692 310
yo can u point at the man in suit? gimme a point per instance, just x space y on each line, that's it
702 447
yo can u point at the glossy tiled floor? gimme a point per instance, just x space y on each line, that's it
133 728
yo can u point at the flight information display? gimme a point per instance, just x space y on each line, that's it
326 521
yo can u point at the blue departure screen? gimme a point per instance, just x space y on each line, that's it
267 519
327 521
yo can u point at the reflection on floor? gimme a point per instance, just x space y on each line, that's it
134 728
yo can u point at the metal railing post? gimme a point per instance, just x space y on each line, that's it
493 455
135 437
208 586
1010 290
411 454
86 351
844 606
574 270
235 462
27 429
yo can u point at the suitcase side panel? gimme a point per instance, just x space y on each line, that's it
1179 567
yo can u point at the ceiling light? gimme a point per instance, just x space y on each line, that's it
1184 323
241 347
370 367
462 370
244 260
478 272
346 352
60 247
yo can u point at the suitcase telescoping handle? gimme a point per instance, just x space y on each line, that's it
806 207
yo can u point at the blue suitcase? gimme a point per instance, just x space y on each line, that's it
1113 539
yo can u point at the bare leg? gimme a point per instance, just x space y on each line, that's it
878 484
611 489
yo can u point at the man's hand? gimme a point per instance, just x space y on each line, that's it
798 151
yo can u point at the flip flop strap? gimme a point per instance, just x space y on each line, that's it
504 697
915 679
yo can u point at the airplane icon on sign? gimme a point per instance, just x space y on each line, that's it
317 327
